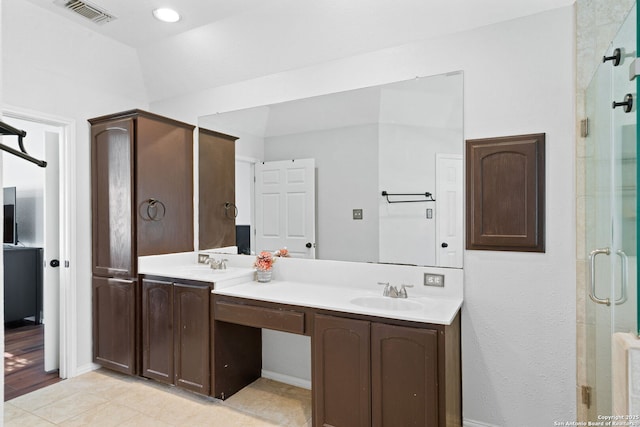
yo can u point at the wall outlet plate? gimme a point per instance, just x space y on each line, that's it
434 280
357 214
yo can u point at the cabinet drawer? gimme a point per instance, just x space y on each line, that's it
260 317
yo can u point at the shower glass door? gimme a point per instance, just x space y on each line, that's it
611 213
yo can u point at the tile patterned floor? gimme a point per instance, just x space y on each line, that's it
105 398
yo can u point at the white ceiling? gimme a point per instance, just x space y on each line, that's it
222 41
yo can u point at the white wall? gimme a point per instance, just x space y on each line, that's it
58 68
518 320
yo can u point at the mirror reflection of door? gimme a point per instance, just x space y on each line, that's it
285 207
364 141
449 236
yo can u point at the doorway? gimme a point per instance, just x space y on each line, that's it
33 353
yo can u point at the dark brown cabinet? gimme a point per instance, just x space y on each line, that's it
366 370
216 174
404 376
22 283
157 330
341 372
112 169
175 333
142 204
114 323
191 305
505 184
378 374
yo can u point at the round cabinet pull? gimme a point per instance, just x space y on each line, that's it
444 245
156 210
227 207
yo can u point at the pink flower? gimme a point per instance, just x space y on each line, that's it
264 261
284 252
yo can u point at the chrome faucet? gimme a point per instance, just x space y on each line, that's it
402 293
217 264
393 292
387 289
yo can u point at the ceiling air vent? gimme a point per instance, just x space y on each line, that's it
87 10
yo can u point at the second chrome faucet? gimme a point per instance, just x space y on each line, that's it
393 292
217 264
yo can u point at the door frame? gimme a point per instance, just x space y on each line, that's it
68 231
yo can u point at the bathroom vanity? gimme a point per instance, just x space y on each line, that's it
366 368
375 360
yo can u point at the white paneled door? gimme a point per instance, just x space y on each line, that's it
51 299
449 210
285 207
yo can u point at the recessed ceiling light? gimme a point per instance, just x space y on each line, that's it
166 15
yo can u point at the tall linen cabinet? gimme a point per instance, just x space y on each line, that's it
142 204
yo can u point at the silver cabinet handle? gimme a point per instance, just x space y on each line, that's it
592 278
623 278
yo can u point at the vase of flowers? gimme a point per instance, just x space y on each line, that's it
264 264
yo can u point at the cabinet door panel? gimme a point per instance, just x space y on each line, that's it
192 337
114 323
404 376
164 160
341 369
157 330
216 154
112 198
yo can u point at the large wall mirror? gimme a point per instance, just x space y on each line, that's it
404 138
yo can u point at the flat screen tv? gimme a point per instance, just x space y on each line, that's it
10 226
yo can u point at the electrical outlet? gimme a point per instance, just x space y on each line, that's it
357 214
434 280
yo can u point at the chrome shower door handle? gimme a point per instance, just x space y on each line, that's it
592 279
623 277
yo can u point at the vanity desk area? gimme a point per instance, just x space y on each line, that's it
375 360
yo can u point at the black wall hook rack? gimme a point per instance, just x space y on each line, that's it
428 197
6 129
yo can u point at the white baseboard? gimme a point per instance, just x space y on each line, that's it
287 379
472 423
86 368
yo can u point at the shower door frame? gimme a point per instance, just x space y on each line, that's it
611 216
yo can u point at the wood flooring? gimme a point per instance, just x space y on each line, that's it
24 359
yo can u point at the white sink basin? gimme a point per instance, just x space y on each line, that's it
387 303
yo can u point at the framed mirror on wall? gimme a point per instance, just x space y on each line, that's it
404 138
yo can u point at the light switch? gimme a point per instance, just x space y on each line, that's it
357 214
429 213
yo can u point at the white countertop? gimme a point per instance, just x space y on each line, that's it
339 298
200 272
335 285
